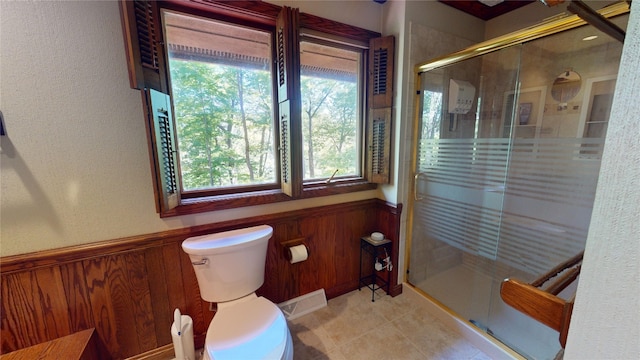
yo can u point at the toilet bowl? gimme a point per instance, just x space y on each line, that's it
253 328
229 267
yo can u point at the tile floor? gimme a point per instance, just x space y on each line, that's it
352 327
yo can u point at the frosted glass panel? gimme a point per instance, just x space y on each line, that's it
542 213
463 192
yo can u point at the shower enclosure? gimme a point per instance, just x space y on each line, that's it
509 135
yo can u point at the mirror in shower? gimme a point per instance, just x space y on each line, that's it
566 86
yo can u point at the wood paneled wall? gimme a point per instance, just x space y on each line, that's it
128 288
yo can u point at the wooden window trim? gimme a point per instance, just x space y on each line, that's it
231 201
260 15
331 27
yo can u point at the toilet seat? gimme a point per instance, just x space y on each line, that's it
253 328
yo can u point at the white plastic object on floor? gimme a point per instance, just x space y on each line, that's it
182 336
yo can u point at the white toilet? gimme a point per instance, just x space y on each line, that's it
229 267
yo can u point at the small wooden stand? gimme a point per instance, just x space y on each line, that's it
543 305
83 345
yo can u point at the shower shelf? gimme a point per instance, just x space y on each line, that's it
544 305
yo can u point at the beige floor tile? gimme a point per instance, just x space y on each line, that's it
310 339
433 338
392 307
334 354
351 327
384 342
348 316
481 356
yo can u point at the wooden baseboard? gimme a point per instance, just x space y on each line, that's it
395 290
161 353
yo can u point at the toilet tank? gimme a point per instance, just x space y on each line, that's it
230 264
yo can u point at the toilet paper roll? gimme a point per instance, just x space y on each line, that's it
298 253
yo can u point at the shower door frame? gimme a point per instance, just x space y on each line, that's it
541 30
515 38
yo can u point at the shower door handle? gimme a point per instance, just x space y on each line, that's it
416 179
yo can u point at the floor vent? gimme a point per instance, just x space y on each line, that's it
304 304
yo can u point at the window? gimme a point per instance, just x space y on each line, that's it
248 103
329 84
221 87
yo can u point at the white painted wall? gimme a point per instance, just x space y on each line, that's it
75 166
606 318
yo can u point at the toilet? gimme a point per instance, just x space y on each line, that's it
229 267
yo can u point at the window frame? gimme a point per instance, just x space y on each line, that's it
325 40
226 191
263 16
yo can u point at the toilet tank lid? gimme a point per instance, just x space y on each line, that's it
225 241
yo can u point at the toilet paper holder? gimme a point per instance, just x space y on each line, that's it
289 255
291 243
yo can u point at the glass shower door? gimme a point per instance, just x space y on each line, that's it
557 138
505 188
460 172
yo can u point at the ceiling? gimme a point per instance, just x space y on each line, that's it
478 8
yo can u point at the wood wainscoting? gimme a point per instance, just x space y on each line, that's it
128 288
